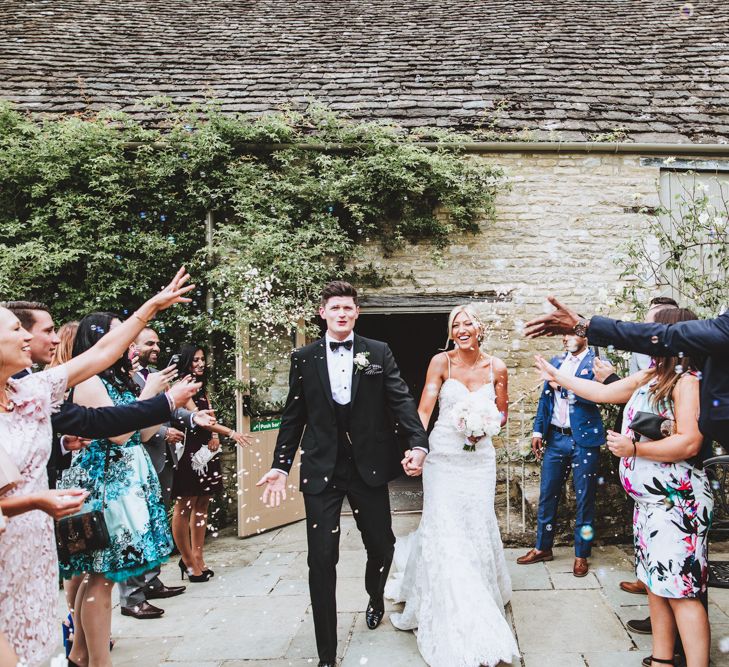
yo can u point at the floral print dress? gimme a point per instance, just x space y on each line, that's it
139 533
672 516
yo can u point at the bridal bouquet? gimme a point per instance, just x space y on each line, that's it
476 418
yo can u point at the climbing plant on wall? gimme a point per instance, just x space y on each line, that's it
97 211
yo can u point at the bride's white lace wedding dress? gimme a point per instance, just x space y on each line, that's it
451 572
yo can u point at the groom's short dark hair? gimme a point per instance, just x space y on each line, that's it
338 288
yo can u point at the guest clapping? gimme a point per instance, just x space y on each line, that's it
673 501
198 476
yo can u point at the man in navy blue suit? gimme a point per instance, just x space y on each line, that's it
573 431
707 339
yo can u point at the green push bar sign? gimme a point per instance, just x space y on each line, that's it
258 425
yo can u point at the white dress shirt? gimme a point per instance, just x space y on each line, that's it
561 409
340 364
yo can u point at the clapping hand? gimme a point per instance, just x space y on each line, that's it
412 463
545 369
559 321
602 369
275 490
73 443
620 445
58 503
182 391
160 381
204 418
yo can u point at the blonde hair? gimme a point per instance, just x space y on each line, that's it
63 351
471 312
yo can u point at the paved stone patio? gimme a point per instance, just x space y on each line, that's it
256 611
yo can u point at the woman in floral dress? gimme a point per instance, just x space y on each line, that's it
673 501
28 561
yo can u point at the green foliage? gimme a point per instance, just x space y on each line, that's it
684 250
97 212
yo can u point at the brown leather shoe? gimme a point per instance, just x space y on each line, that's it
636 587
143 611
534 556
580 568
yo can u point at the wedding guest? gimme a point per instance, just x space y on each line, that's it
29 585
136 592
64 350
196 482
673 500
125 485
573 431
705 340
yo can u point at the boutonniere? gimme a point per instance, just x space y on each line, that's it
361 362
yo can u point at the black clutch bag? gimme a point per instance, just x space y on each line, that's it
84 533
651 426
81 533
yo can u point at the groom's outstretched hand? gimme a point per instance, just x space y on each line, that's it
412 464
562 320
275 488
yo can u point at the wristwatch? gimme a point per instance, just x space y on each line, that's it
580 329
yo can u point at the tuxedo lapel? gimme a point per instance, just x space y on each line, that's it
359 346
320 361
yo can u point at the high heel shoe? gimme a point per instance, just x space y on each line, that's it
194 578
209 572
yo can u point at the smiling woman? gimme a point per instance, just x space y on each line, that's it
29 598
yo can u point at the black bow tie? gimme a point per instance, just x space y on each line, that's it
335 345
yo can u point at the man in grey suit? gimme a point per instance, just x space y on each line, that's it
135 593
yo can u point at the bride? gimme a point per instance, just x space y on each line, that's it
451 573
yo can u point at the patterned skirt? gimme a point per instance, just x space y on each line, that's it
140 537
671 521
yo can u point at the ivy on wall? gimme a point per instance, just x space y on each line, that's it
97 211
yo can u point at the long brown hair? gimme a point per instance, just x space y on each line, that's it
64 349
668 370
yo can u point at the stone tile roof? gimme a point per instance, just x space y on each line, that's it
565 69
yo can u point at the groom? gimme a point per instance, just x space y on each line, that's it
344 391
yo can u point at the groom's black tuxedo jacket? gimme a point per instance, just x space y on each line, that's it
381 406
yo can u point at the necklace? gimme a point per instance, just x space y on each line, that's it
473 365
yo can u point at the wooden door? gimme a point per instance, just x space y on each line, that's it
254 461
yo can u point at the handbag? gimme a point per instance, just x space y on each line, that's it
9 473
651 425
84 533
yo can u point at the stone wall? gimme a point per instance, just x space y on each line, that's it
556 232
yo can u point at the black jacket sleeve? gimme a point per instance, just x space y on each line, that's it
96 423
401 403
695 337
293 420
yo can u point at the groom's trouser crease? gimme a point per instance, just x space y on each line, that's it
371 510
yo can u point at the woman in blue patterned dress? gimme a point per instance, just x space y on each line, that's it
139 533
673 501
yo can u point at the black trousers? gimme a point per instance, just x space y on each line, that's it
371 508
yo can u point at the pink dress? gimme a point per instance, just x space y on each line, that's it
28 561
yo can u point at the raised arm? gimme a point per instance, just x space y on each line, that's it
103 355
616 392
433 383
694 337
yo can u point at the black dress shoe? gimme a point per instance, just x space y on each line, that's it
374 614
143 611
164 592
641 627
